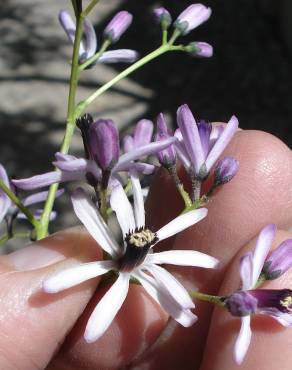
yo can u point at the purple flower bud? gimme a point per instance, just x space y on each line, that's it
279 261
163 17
103 143
167 156
200 49
225 170
192 17
118 25
279 299
143 132
241 304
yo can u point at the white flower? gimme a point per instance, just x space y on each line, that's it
133 259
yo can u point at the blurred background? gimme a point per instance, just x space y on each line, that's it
250 74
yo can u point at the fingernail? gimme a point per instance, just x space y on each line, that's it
33 257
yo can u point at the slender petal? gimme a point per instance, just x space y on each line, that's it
143 133
68 25
181 223
189 130
173 286
143 151
246 271
121 206
75 275
90 41
222 142
92 220
64 157
243 340
139 210
37 214
77 164
118 25
284 318
263 245
182 258
5 202
180 150
128 143
107 308
39 197
119 56
143 168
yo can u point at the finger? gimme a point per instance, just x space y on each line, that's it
34 324
236 213
270 343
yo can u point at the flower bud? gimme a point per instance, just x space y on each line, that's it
279 261
200 49
241 304
167 156
192 17
103 143
118 25
225 170
163 17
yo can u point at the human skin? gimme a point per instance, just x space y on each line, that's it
42 331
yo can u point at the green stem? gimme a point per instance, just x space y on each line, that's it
103 204
96 56
4 239
89 7
42 232
261 280
19 204
208 298
164 36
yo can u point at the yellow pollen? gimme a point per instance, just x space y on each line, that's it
287 302
141 238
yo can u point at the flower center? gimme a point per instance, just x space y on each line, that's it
141 238
287 303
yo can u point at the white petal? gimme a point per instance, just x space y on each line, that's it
185 317
183 258
138 201
173 286
222 142
263 245
181 223
246 268
284 319
107 308
92 220
121 206
75 275
242 341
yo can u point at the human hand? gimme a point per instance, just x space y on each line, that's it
34 325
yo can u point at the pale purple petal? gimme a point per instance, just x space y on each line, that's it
90 41
5 202
181 223
139 210
46 179
216 132
128 143
107 308
118 25
143 168
76 164
205 129
200 49
37 214
180 150
68 25
183 258
191 138
263 245
119 56
185 317
222 142
173 286
143 133
122 207
75 275
242 341
64 157
39 197
284 318
192 17
143 151
279 261
86 212
246 271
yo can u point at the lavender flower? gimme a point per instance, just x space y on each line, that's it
192 17
200 49
279 261
225 170
88 45
247 301
80 169
163 17
7 207
135 258
166 157
200 145
118 25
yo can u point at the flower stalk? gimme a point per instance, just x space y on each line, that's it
219 301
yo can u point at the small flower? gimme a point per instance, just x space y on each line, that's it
166 157
132 259
118 25
279 261
88 45
200 145
248 300
7 207
80 169
200 49
192 17
163 17
225 170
